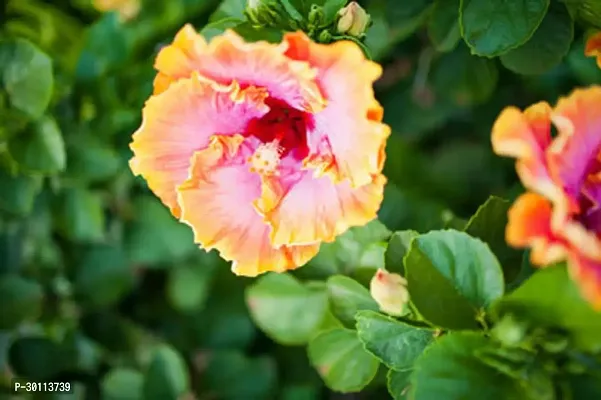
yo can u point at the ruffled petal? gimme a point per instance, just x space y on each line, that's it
526 136
217 202
530 226
316 209
593 47
574 151
228 57
587 273
180 121
347 138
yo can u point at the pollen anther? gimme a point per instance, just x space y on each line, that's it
266 158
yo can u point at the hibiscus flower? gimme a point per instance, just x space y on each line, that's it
265 150
560 215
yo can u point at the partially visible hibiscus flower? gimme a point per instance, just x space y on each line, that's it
560 215
593 47
265 150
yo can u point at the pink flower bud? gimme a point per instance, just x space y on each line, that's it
353 20
390 292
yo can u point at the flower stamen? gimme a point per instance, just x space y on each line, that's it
266 158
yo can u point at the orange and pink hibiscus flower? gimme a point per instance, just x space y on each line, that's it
265 150
559 217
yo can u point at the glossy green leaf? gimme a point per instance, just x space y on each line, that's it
341 360
18 192
80 216
21 300
40 148
452 278
167 375
103 276
443 25
488 224
155 237
395 343
549 298
122 384
26 76
547 47
285 309
397 383
348 296
398 245
493 27
450 370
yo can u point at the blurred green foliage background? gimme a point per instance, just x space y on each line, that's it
100 286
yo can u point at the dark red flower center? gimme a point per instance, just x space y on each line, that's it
285 124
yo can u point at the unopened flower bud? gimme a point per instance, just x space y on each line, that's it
389 290
315 15
264 13
353 21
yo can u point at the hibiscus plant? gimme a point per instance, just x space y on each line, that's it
300 199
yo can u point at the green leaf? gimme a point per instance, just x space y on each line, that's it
26 76
285 309
452 278
229 9
188 287
37 358
21 300
465 79
358 248
347 297
122 383
398 245
488 224
550 299
493 27
547 47
167 375
80 215
40 148
587 11
291 10
215 28
156 237
341 360
443 25
105 48
331 8
395 343
449 370
232 375
103 276
398 384
18 192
